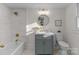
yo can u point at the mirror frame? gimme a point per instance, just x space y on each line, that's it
39 18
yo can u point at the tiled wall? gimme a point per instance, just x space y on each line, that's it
55 14
18 23
11 24
5 28
71 30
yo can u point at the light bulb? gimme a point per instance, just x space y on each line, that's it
43 12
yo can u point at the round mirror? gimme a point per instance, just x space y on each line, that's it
43 20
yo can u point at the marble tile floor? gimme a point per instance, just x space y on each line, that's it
28 52
32 52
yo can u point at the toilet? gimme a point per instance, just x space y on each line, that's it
64 47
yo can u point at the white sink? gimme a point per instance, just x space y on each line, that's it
48 34
45 34
40 32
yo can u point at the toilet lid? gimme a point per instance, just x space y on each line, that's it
63 44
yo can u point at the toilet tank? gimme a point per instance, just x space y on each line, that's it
59 36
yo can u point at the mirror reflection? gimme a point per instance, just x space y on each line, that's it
43 20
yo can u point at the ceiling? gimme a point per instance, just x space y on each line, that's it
37 5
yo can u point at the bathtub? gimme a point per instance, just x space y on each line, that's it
12 49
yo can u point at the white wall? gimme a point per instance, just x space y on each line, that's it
5 28
31 15
55 14
10 25
18 23
71 31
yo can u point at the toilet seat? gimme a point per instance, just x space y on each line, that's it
63 44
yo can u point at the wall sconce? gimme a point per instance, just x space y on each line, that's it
43 12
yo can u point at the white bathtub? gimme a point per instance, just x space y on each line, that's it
12 49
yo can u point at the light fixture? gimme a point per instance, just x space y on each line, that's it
43 12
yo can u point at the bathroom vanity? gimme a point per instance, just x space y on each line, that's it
43 44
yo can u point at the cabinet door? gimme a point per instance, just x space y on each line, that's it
39 47
48 46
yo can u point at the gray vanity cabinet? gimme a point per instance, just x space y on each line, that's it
43 45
